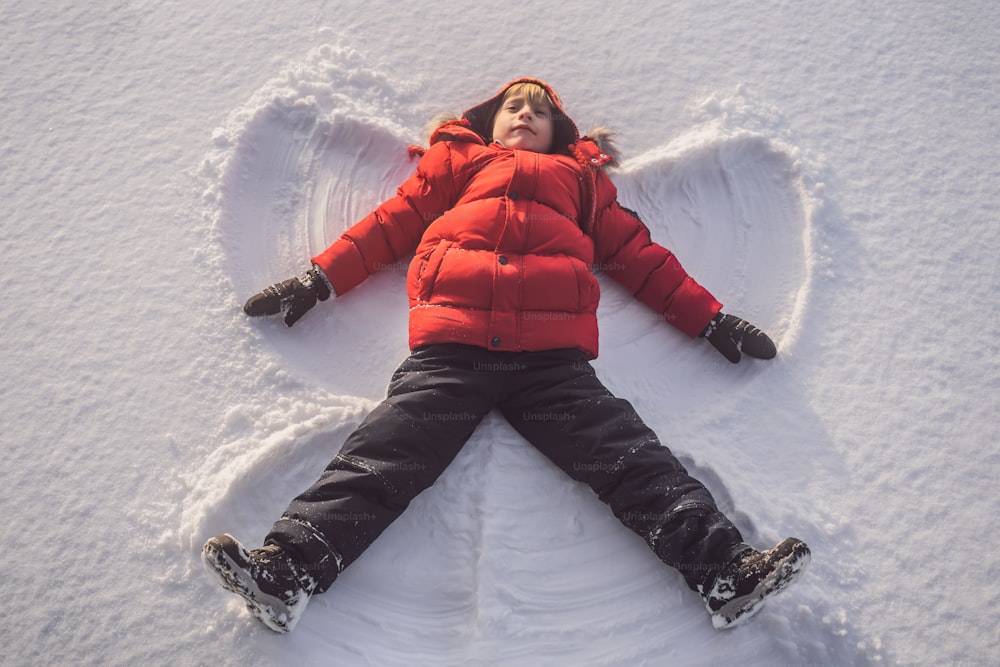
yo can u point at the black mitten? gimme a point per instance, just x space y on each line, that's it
732 335
292 297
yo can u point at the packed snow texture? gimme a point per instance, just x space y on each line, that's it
826 169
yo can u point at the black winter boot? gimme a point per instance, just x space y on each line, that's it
276 587
736 592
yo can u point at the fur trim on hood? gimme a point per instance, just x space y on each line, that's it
605 140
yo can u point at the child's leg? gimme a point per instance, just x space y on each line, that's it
435 400
596 438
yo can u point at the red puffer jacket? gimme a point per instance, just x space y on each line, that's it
505 242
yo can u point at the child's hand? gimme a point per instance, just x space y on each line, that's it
292 297
732 335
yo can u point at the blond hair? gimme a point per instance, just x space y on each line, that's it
532 92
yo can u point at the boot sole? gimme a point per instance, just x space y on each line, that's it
739 610
231 575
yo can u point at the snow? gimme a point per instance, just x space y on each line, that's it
827 169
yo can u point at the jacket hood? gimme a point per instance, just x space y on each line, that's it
565 133
596 150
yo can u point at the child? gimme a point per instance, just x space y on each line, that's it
508 211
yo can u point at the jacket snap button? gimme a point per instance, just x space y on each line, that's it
495 341
594 160
502 260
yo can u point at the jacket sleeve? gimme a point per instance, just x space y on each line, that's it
393 230
625 252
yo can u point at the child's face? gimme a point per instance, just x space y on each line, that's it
519 124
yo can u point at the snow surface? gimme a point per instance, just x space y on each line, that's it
828 170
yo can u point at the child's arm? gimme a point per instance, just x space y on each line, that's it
625 251
382 238
393 230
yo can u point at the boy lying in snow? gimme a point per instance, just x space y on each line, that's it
508 211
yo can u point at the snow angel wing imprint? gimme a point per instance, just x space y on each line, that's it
355 167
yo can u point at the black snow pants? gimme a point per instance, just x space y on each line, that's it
438 396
